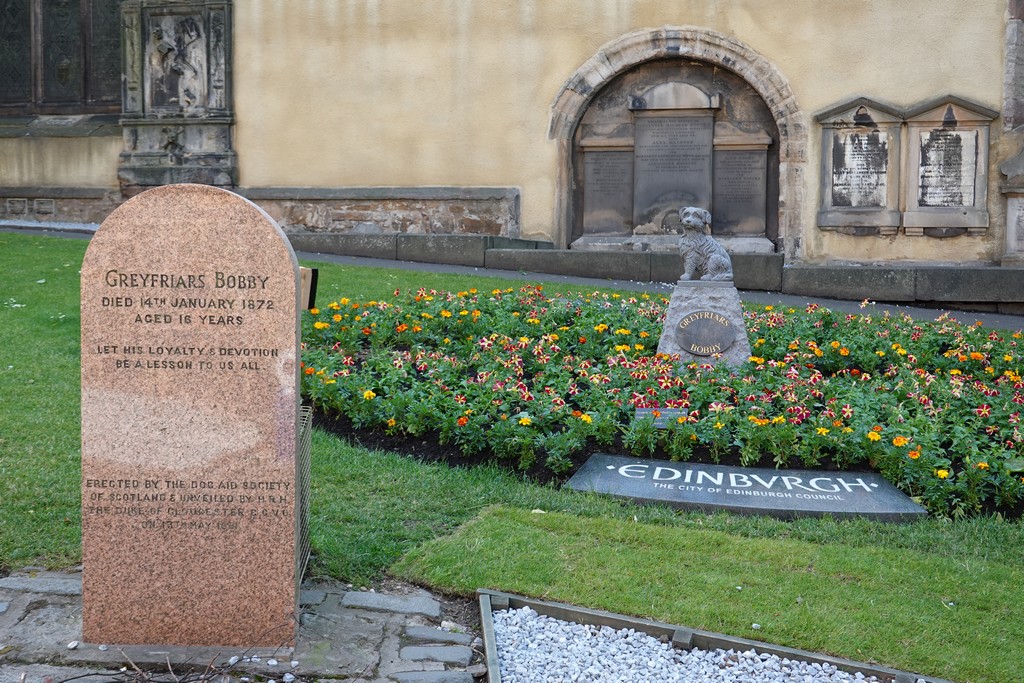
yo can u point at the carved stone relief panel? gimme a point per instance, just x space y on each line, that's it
177 114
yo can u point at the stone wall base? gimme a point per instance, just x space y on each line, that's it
338 211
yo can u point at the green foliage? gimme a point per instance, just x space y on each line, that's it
934 406
894 605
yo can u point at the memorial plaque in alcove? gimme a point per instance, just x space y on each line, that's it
608 191
860 166
740 191
672 164
947 172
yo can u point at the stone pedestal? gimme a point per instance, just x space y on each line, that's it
704 324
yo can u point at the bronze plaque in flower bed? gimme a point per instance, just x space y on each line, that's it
189 424
777 493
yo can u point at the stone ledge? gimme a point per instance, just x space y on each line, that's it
72 126
328 193
428 634
940 284
44 192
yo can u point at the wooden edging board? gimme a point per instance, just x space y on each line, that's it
680 637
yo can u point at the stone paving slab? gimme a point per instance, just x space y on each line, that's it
437 635
344 634
407 604
449 654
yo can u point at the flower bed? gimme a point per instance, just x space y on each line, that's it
533 380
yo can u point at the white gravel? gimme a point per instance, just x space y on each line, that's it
533 648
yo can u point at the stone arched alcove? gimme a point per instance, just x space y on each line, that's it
698 46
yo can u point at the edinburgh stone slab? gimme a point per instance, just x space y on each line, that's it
189 423
704 323
778 493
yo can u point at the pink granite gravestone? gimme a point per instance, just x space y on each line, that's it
189 423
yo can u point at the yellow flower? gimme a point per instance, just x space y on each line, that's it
835 345
900 441
622 330
525 421
822 431
942 474
333 306
446 313
982 465
622 347
719 425
369 395
880 354
600 328
391 422
873 436
769 308
681 419
844 351
321 325
1007 358
778 420
314 311
337 318
586 418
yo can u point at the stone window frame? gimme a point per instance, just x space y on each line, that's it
684 42
89 80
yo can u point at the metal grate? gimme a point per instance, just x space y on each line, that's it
302 464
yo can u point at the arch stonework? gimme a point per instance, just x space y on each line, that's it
687 42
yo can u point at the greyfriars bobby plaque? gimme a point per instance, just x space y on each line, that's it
704 333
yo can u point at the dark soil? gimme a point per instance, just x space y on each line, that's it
428 448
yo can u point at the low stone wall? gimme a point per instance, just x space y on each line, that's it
388 210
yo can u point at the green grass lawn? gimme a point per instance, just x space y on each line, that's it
867 591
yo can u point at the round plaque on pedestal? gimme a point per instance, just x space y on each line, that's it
705 333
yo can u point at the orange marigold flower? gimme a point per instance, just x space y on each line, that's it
462 421
900 441
310 371
977 356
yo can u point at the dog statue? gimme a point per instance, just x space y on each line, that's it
703 257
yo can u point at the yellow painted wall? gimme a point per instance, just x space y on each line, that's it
343 93
59 162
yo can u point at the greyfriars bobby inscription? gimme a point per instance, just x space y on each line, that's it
704 333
